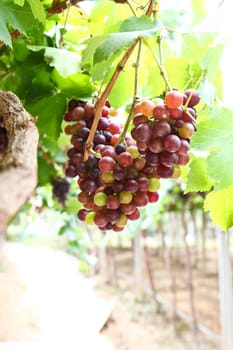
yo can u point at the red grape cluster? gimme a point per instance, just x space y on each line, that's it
162 130
112 181
119 178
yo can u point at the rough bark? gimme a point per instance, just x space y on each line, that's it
18 166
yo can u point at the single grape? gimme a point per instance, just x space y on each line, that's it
88 186
90 218
118 186
183 159
172 142
140 199
114 128
173 99
143 184
142 133
100 199
89 109
152 158
122 221
139 163
164 171
113 215
154 184
120 148
161 112
113 202
195 99
125 197
140 119
71 171
162 128
133 150
128 208
108 136
131 185
176 113
100 219
107 177
147 107
153 196
184 148
125 159
106 163
99 139
78 113
82 213
135 215
155 145
168 159
186 131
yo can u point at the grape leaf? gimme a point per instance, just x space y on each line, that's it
220 205
211 60
18 17
197 179
50 111
66 62
216 135
45 171
132 24
37 10
103 46
76 85
19 2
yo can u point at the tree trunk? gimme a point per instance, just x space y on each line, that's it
18 164
225 291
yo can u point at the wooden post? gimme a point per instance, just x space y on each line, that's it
138 264
225 291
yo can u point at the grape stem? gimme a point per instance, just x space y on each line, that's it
194 88
61 41
135 97
101 101
161 67
131 8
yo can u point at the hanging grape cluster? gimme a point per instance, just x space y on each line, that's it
60 189
119 178
162 131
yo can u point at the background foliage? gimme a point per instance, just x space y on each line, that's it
52 51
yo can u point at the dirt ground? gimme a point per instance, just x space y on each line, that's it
43 297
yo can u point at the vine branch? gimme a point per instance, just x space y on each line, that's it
101 101
135 97
160 66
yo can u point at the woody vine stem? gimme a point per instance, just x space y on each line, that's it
101 101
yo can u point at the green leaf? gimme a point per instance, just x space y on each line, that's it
45 172
92 45
19 2
18 17
123 89
132 24
211 60
66 62
216 136
220 205
76 85
50 111
197 179
37 10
